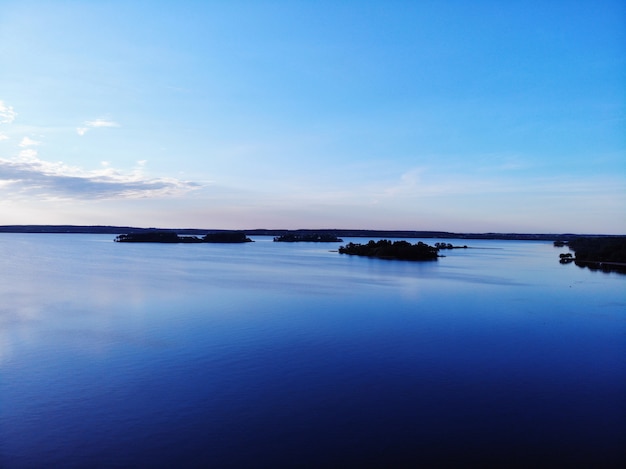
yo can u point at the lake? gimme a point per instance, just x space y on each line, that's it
290 355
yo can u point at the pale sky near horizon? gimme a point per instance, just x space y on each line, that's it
419 115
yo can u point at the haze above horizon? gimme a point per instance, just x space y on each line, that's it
449 116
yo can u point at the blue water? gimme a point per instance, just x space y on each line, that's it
290 355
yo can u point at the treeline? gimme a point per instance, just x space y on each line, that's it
386 249
170 237
387 234
606 249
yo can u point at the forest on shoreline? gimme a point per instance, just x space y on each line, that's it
607 253
170 237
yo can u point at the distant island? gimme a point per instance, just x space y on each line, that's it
170 237
398 250
441 246
607 253
308 238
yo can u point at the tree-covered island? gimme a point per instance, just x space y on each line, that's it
386 249
171 237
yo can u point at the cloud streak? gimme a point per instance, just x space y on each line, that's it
96 124
29 175
7 116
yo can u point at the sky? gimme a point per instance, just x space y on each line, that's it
483 116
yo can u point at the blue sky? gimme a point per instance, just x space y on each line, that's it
432 115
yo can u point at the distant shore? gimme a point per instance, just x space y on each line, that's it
345 233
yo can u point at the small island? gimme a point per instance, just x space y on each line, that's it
398 250
171 237
441 246
308 238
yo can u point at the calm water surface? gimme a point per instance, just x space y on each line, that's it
289 355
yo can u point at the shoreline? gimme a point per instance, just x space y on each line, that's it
346 233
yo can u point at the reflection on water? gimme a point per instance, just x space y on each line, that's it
281 355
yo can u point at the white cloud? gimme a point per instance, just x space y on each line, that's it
28 174
28 142
95 124
7 114
3 137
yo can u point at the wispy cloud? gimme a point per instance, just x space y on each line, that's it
95 124
101 123
408 182
30 175
7 114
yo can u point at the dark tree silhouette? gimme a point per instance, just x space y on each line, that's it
171 237
385 249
